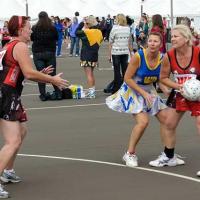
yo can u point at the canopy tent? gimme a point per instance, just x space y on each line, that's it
66 8
180 7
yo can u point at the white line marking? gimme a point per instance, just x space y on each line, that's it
72 106
35 84
26 95
105 69
112 164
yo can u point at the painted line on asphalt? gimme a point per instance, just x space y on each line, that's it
112 164
105 69
72 106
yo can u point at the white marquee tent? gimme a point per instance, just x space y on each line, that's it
65 8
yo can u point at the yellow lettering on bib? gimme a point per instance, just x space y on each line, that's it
150 79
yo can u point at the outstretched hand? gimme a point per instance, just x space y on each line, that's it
60 82
47 70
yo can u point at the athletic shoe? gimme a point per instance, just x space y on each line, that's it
43 97
10 177
3 194
198 173
130 159
163 160
90 94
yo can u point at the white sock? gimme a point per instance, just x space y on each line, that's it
9 170
92 89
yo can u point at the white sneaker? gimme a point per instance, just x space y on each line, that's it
9 176
163 160
90 94
198 173
130 159
3 194
179 160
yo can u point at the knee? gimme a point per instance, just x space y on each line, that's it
14 144
198 125
23 132
143 123
170 125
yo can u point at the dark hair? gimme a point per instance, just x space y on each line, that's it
129 20
57 18
157 21
44 22
76 13
15 23
42 14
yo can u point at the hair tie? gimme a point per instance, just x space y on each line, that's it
20 21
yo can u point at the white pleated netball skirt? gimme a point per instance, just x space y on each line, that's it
129 101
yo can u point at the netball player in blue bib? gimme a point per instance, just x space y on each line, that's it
137 94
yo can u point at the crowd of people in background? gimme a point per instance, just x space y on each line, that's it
139 29
137 50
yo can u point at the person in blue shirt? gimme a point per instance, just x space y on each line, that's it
137 95
74 39
59 28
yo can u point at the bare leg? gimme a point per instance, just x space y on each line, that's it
162 116
90 76
142 121
169 126
23 134
12 135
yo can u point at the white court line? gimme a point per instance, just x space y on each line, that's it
36 94
112 164
35 84
105 69
72 106
26 95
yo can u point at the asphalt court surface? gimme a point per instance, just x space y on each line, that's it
74 148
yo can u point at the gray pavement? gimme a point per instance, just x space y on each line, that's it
74 148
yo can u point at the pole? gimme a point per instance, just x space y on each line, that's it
26 8
141 9
172 15
142 1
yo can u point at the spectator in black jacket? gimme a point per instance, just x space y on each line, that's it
44 37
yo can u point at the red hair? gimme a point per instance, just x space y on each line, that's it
15 23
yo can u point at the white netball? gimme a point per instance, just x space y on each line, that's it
191 89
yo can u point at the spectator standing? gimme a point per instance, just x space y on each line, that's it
5 34
91 38
119 49
109 25
59 28
158 26
74 39
44 37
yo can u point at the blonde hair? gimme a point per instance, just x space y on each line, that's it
121 20
185 32
91 21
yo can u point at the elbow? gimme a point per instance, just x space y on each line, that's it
29 75
126 79
161 80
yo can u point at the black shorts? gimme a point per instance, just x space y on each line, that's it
11 108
